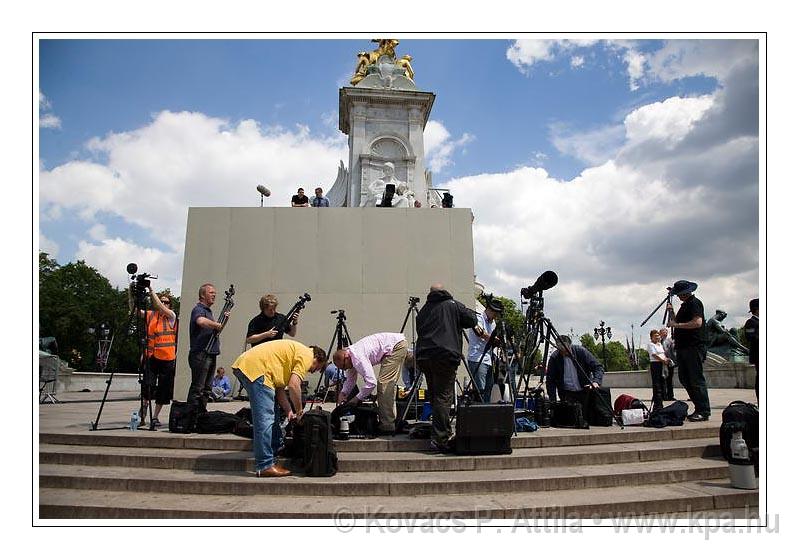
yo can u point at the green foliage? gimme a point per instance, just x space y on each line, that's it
75 298
616 353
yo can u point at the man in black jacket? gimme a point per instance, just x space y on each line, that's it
751 335
689 325
439 326
571 378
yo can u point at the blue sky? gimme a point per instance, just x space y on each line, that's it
623 140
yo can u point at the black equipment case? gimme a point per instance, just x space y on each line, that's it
568 415
484 429
183 417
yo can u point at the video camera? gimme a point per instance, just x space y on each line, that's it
139 283
547 280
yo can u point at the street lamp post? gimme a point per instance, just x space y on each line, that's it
602 333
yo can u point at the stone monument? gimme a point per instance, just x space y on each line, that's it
365 260
384 116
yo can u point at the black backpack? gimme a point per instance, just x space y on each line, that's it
672 415
739 416
568 415
319 455
183 417
216 422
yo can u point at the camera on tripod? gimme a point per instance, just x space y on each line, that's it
140 283
413 300
547 280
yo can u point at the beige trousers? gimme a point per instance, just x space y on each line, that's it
391 365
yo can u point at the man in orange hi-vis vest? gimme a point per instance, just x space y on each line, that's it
162 339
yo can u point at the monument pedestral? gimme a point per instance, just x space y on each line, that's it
367 261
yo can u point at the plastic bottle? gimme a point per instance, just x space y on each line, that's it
134 425
740 467
344 427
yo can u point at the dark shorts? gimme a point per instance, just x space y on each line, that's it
159 382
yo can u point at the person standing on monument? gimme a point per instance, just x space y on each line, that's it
300 200
690 347
320 201
201 327
438 350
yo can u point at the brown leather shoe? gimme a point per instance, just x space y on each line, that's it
273 471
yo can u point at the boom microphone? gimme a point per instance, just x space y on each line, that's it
263 190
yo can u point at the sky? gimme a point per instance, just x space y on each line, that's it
621 164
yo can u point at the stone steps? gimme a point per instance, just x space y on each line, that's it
382 483
548 437
688 498
388 461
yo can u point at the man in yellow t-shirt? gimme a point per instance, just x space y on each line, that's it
267 372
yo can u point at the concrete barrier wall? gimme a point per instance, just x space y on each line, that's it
730 376
367 261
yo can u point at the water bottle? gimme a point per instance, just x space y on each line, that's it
134 425
344 427
740 467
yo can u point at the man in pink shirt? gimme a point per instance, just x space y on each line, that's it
387 349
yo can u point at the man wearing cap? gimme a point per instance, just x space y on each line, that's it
479 357
387 349
690 347
751 335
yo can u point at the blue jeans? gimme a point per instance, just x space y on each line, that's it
483 379
266 430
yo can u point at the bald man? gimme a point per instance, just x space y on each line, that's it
439 339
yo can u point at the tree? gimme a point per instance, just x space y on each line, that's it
616 354
73 300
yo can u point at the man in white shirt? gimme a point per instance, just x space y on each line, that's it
479 358
387 349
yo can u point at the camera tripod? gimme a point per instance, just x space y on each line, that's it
341 337
413 397
136 323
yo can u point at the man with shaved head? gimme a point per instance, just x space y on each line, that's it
439 326
360 358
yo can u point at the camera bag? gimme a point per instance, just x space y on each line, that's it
319 455
183 417
739 416
568 415
484 429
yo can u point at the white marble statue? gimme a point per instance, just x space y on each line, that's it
403 197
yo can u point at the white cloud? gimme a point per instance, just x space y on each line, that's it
674 60
669 120
48 246
669 194
149 176
98 232
111 258
439 147
525 53
47 120
589 146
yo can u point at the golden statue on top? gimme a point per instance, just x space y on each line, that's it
367 62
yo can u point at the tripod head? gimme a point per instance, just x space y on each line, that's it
413 301
340 316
